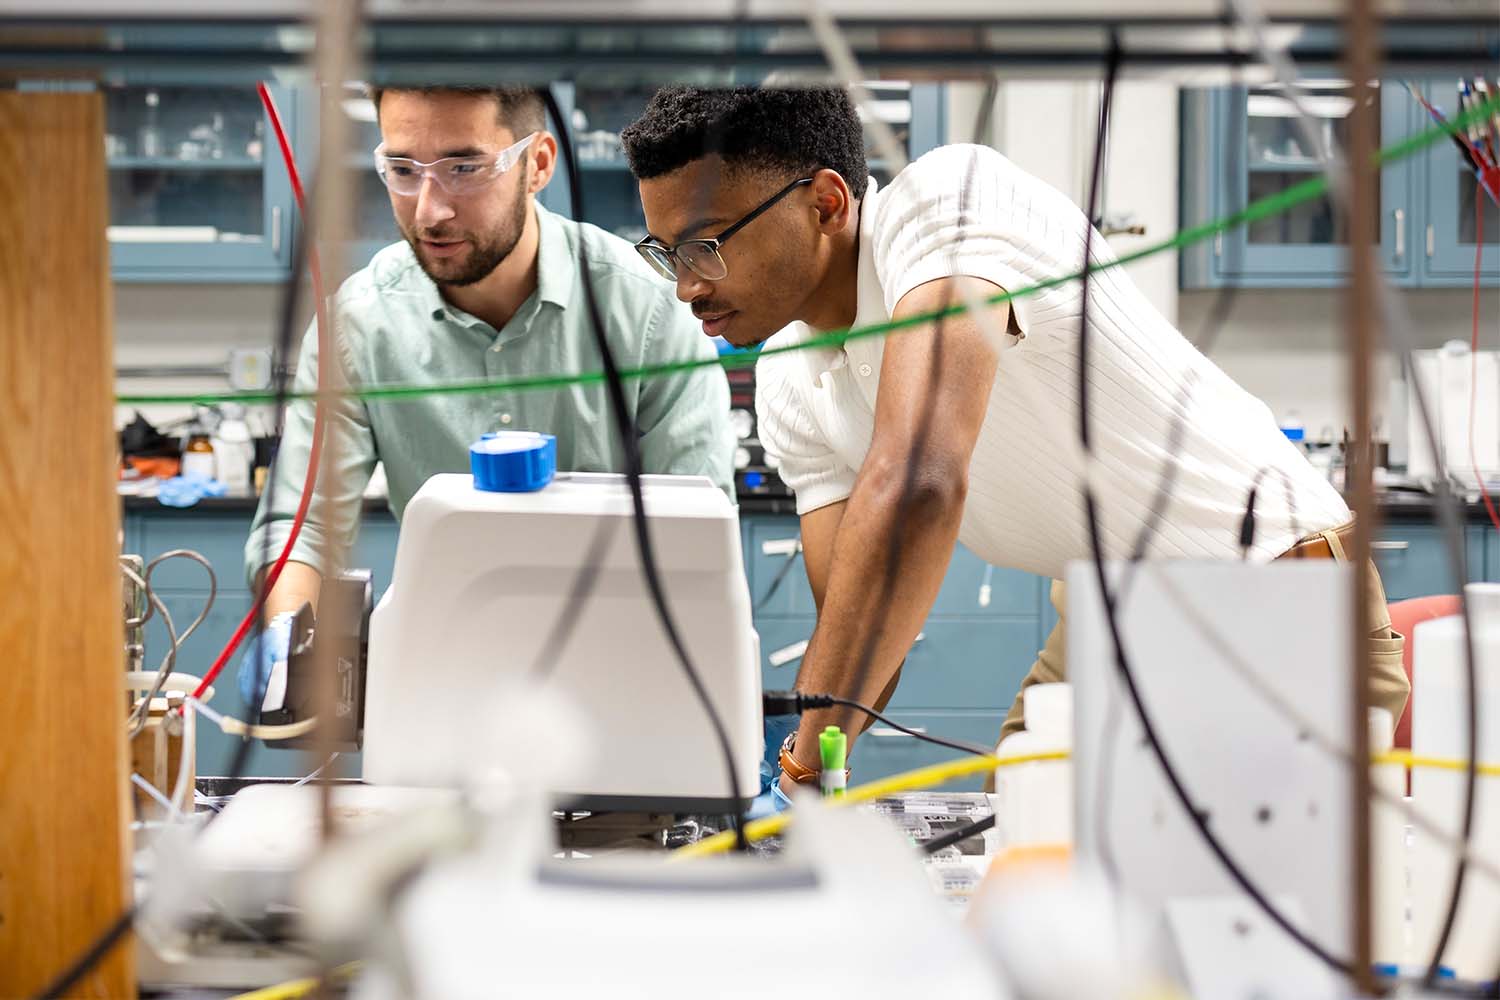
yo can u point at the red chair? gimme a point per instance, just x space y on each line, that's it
1405 617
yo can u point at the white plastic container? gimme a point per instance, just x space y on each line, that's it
1035 800
234 450
1439 730
481 582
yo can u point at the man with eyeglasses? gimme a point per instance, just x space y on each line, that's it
760 209
488 286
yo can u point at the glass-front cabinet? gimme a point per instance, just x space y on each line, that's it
1454 201
197 189
1257 151
1243 144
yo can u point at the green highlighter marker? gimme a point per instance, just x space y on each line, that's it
833 746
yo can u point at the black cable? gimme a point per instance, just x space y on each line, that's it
941 741
1196 816
579 594
1247 521
796 702
960 835
630 444
778 579
96 952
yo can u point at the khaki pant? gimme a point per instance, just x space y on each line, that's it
1388 684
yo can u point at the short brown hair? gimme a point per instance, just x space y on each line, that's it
522 109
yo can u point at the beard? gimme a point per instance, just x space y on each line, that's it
486 251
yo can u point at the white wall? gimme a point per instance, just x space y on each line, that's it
189 324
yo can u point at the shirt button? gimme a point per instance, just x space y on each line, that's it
505 418
496 348
865 370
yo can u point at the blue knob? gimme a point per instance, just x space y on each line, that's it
513 461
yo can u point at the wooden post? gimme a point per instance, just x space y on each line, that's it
64 830
1361 320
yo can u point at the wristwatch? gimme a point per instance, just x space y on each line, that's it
793 768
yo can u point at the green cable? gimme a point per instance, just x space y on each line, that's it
1263 208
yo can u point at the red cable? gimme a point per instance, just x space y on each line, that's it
1474 356
317 436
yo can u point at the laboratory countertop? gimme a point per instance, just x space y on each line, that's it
750 504
1395 505
231 503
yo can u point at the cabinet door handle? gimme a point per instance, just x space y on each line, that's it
1399 216
276 230
1431 240
885 732
1388 546
787 654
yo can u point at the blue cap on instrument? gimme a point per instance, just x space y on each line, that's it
513 461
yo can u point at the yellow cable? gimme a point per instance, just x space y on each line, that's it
1408 759
938 774
922 777
295 988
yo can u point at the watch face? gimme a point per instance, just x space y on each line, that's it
743 422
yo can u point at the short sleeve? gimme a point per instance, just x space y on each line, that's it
791 438
967 210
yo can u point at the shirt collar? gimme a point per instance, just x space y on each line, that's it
555 267
556 260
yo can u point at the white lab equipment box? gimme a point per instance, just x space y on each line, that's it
484 599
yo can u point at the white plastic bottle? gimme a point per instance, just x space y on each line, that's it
234 450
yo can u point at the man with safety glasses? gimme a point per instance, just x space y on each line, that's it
760 209
487 286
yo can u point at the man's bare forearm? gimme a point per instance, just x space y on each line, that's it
298 584
859 596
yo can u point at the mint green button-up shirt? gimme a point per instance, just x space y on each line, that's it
395 327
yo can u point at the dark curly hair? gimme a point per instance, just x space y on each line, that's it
783 131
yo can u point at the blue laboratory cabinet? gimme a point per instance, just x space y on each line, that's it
197 188
199 192
959 679
1449 224
1241 144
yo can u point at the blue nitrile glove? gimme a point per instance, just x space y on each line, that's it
259 665
184 491
770 801
777 729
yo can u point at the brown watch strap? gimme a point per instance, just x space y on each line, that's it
792 768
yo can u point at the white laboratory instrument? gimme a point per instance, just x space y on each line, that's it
1276 801
1440 729
1451 377
482 600
505 921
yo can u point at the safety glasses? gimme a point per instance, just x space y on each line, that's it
457 175
702 256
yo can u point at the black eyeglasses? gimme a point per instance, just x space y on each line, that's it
702 256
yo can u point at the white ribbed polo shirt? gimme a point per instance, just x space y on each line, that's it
967 210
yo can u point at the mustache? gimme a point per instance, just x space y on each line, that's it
704 307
